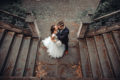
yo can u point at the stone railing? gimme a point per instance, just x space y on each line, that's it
83 29
29 20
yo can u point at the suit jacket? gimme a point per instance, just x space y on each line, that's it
63 35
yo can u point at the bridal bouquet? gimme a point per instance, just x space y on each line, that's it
58 43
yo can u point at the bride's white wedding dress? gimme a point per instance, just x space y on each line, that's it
54 50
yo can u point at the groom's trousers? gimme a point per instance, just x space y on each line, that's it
66 46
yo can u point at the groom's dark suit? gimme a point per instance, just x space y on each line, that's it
63 37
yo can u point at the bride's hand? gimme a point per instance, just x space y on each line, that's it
54 40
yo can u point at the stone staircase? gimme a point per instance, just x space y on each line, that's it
95 56
17 53
100 52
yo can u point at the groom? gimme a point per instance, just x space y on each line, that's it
63 35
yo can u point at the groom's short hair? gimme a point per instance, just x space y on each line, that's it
60 23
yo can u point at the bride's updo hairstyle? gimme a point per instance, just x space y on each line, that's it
52 28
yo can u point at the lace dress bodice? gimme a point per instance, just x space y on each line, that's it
55 37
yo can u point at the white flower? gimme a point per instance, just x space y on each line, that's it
58 43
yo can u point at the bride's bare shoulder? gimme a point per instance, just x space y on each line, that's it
53 35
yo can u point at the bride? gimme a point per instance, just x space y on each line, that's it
54 46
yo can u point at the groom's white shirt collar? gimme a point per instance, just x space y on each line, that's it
64 27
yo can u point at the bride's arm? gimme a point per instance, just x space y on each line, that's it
53 38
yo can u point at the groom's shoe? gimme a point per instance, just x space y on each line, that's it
66 52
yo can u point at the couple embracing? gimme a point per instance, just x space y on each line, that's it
57 43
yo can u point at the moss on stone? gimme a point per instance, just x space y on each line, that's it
13 7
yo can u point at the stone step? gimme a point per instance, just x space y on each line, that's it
2 31
4 48
19 78
94 59
13 53
74 78
30 63
53 78
116 36
22 57
113 53
103 57
85 61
